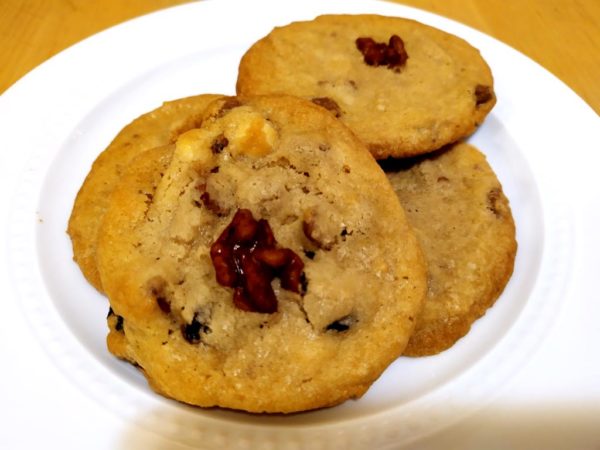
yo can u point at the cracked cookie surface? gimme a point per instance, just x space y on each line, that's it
294 166
155 128
439 92
464 224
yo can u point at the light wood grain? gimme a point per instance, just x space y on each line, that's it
561 35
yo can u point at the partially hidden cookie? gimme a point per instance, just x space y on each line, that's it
145 170
262 262
464 224
403 87
155 128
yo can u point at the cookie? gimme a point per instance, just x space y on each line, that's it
158 127
403 87
267 267
464 224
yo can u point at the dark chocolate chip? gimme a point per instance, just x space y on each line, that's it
119 324
192 331
303 284
341 325
309 254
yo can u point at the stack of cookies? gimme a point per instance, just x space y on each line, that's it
276 250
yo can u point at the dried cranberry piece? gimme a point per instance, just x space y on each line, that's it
219 144
483 94
329 104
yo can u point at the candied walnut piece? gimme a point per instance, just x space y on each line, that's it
241 301
395 52
483 94
272 257
228 104
246 257
315 234
329 104
393 55
371 50
292 272
492 201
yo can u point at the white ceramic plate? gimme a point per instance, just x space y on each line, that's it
56 120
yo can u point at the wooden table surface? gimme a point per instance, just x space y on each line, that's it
561 35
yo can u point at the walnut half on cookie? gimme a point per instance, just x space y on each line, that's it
276 190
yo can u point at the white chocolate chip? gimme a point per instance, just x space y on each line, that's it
249 133
194 145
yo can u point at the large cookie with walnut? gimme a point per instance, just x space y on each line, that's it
434 91
155 128
263 263
463 220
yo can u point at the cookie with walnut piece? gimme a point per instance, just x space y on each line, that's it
456 205
262 262
155 128
403 87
